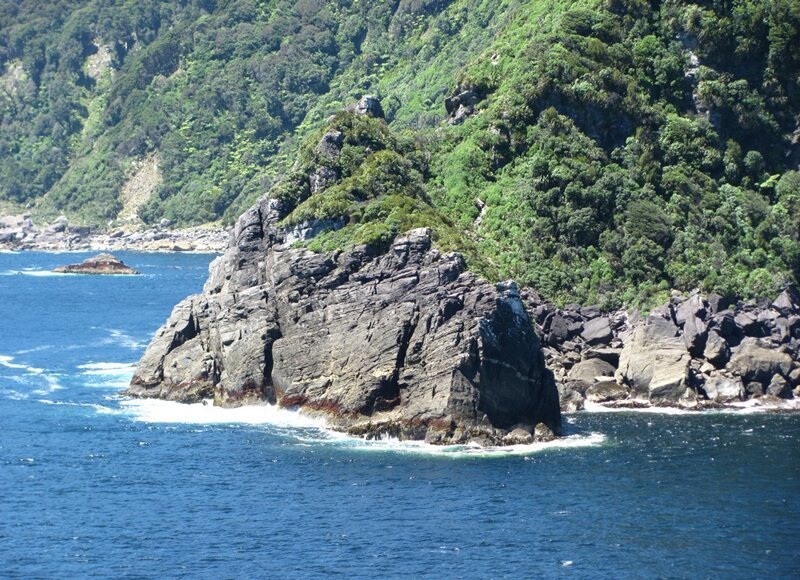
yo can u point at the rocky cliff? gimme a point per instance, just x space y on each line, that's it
404 343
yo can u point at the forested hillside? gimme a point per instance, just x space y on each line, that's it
598 150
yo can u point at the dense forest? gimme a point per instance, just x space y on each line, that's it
601 151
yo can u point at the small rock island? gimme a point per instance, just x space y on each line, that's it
100 264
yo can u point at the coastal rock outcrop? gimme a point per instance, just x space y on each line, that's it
694 352
99 264
404 343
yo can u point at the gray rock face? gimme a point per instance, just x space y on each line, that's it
654 361
406 343
605 391
716 350
755 362
724 390
589 370
597 331
368 105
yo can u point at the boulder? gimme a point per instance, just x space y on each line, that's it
654 361
755 361
723 389
589 370
590 312
605 391
543 433
695 334
518 436
788 302
717 302
559 329
597 331
99 264
779 387
693 308
571 401
610 355
59 225
750 324
716 350
725 325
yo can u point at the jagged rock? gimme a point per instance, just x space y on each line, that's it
590 312
322 178
461 105
405 343
724 389
99 264
695 334
590 369
754 389
779 387
609 355
571 401
654 361
788 302
543 433
794 375
330 145
518 436
693 308
559 330
597 331
59 225
750 324
794 326
717 303
780 329
605 391
725 325
754 361
367 105
716 350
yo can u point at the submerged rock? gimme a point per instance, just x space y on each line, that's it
99 264
405 343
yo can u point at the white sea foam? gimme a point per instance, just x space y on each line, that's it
46 383
113 375
121 338
763 406
158 411
739 407
314 431
43 273
108 368
600 408
456 451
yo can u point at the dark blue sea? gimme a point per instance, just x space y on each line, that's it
93 485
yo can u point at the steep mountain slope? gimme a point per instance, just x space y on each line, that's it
599 150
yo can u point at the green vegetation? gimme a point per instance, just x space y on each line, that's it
619 148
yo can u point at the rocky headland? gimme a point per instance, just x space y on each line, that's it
404 341
19 233
101 264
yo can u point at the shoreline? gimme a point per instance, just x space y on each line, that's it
18 233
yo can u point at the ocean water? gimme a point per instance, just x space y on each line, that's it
93 485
